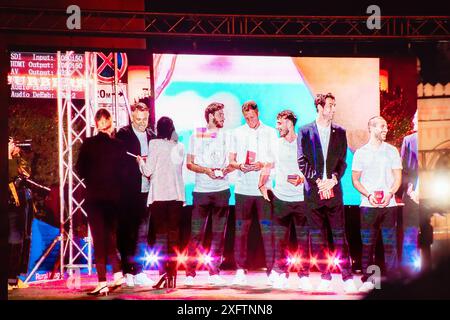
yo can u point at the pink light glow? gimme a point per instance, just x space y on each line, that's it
205 258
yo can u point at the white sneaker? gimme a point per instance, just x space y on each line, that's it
141 279
349 286
240 279
281 282
305 284
366 287
324 286
216 280
129 280
272 278
119 279
189 281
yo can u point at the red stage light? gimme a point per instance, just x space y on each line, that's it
294 260
181 257
333 261
313 261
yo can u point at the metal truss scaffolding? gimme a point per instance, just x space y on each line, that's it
74 124
148 24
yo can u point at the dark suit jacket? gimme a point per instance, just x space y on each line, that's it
311 162
101 163
410 161
133 180
410 174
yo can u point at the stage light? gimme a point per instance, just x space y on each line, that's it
417 262
152 258
441 187
181 257
205 258
313 261
333 261
294 259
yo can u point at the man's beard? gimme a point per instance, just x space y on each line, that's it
217 124
283 133
380 137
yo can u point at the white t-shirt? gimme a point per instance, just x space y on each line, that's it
210 149
142 137
376 165
324 136
286 164
261 141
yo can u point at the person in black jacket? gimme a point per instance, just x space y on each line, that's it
18 216
321 150
101 163
134 218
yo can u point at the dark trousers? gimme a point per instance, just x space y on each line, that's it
19 237
166 216
372 221
209 207
285 215
102 218
133 223
329 218
245 207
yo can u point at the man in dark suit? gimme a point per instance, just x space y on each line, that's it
322 149
417 229
134 218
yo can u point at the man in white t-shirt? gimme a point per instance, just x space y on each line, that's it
289 207
252 155
208 158
376 174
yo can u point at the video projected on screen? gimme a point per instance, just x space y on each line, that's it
186 84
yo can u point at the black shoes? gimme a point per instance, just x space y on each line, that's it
166 281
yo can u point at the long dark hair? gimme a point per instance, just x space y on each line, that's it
164 128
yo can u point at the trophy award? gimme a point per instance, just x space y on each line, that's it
250 158
379 194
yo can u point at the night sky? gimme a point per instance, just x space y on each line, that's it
434 57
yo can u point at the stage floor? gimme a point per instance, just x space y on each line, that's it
257 289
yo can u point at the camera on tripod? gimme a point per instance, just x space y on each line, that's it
24 145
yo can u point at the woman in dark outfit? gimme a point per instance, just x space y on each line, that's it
100 163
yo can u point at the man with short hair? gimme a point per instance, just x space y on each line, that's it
322 149
289 207
376 174
134 219
252 155
208 158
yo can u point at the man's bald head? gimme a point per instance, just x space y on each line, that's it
373 121
378 128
